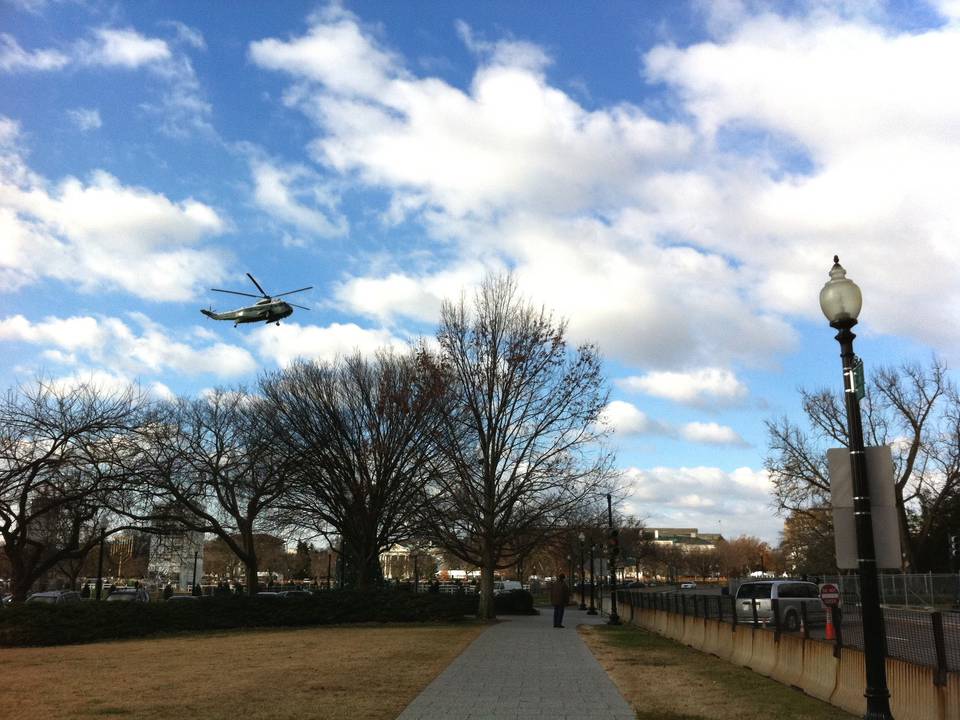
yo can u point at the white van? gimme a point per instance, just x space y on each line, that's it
501 587
757 597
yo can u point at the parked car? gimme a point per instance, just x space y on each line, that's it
791 595
294 594
129 594
688 586
502 587
177 598
54 597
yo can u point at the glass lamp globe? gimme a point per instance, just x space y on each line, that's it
582 537
840 298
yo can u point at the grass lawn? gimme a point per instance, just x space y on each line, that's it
664 680
368 671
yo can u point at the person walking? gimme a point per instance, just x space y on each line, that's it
559 597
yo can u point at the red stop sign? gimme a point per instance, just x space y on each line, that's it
830 594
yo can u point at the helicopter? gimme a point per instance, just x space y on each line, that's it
267 309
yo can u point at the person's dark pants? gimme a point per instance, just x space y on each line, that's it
558 615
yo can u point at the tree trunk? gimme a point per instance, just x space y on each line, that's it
21 581
486 610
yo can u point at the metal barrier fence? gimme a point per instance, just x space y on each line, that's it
915 636
917 590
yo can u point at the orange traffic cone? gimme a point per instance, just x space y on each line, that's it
831 632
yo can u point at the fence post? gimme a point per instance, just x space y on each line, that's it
733 611
720 608
695 607
753 607
837 616
940 678
805 620
683 605
775 607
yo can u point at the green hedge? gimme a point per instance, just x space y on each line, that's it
90 621
515 602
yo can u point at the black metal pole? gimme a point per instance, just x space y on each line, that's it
614 551
195 554
416 573
103 534
593 609
329 561
874 634
570 562
583 584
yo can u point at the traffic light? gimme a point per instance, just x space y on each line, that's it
613 542
955 546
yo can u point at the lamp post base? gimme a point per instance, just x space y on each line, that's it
614 619
592 611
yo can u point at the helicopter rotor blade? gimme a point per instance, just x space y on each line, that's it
263 292
298 306
291 292
234 292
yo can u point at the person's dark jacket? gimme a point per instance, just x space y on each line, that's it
559 593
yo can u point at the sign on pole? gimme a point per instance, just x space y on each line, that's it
830 595
883 507
859 384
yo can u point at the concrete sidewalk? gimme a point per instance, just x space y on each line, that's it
523 667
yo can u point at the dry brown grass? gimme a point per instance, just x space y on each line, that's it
369 672
664 680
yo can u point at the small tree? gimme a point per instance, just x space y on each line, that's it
59 466
359 432
518 445
213 465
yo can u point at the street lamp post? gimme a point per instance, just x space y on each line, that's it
103 537
195 590
570 563
593 609
614 551
840 300
583 605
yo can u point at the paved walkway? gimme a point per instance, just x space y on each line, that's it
523 667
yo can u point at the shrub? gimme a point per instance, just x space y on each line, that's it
515 602
90 621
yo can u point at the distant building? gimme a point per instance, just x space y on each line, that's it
687 538
172 557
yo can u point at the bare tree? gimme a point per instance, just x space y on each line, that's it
361 432
213 465
59 447
913 409
519 444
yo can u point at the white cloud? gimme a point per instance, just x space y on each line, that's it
85 118
285 343
705 386
101 233
627 419
708 498
296 195
867 111
114 346
14 58
711 433
812 134
123 47
187 35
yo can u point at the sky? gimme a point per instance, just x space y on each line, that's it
672 178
